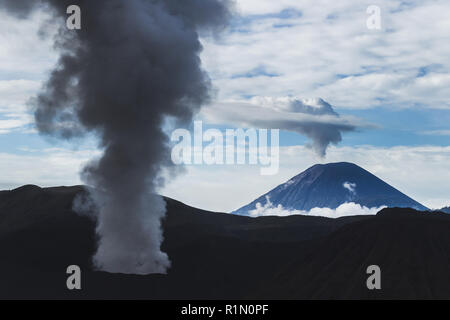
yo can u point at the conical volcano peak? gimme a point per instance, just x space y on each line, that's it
330 185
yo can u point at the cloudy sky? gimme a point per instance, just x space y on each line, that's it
383 92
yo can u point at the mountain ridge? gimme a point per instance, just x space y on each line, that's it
223 256
445 209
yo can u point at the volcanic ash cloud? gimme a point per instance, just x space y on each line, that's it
133 64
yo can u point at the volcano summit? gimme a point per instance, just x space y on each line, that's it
329 186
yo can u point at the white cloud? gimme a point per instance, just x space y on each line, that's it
329 52
436 132
344 210
350 186
21 73
19 38
14 122
15 94
49 167
14 113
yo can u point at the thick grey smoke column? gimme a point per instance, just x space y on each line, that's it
132 64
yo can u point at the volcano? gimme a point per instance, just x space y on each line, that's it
329 186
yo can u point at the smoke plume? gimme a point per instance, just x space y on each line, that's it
314 118
131 66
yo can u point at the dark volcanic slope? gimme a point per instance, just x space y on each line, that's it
446 210
218 255
412 249
322 186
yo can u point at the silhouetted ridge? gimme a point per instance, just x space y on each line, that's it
225 256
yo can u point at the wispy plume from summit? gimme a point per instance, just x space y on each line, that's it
132 65
313 118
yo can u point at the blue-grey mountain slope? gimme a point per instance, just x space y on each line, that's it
329 186
445 209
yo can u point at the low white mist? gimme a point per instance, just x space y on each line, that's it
344 210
